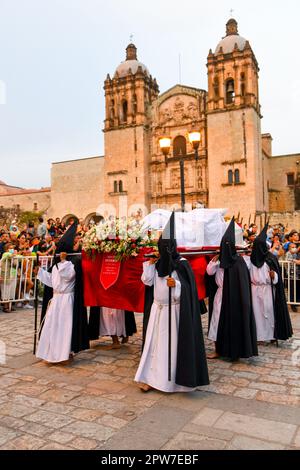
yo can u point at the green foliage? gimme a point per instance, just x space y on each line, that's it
29 216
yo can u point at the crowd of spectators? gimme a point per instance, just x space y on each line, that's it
285 245
41 239
19 241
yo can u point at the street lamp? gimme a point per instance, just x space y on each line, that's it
165 145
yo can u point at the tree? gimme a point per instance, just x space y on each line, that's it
29 216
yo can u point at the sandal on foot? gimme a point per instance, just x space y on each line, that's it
145 388
212 356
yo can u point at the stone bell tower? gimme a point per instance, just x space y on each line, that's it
128 98
235 165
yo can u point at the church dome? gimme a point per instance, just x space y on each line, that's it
131 63
231 39
123 68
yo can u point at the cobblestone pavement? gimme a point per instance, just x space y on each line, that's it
94 404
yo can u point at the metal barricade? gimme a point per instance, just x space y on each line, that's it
291 278
17 278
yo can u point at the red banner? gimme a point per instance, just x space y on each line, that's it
126 292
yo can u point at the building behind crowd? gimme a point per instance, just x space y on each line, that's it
236 167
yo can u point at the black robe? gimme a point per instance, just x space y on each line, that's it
80 338
191 369
149 297
236 336
94 323
283 326
211 290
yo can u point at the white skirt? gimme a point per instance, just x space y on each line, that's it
215 318
56 337
112 322
263 311
8 289
153 367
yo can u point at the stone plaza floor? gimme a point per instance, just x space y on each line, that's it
93 403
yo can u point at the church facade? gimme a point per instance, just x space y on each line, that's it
235 168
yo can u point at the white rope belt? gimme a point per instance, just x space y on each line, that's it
160 305
56 292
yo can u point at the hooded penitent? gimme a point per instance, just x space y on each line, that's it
260 249
228 254
66 242
167 248
80 340
191 367
260 254
236 336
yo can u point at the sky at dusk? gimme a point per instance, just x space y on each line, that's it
55 55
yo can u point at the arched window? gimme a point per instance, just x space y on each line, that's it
115 186
230 177
216 86
237 176
134 104
179 146
70 218
243 84
93 219
230 91
112 110
121 186
124 110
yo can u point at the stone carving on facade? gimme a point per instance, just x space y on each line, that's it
178 112
192 111
175 179
165 116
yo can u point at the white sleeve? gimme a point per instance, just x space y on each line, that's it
212 267
247 260
275 280
148 273
67 272
176 291
45 277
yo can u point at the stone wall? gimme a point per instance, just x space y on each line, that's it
282 195
127 161
234 143
76 187
291 220
27 200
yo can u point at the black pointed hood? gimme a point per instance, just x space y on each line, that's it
66 243
167 249
260 249
228 255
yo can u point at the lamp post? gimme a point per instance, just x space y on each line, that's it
165 145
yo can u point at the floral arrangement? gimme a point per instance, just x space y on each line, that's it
122 237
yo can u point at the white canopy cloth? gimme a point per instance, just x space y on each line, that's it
194 229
